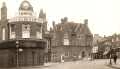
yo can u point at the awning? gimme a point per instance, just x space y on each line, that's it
107 51
23 44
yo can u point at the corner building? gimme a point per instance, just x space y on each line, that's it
21 40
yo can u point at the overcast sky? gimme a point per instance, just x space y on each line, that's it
103 15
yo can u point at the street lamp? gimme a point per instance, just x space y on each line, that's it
17 46
18 50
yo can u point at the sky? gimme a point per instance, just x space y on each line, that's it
103 15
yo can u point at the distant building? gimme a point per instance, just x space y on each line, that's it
70 41
97 38
24 35
115 43
106 43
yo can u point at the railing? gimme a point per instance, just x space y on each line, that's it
31 19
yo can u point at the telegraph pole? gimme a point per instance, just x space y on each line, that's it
110 54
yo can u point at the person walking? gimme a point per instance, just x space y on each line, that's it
115 58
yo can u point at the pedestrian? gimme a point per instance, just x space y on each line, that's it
115 58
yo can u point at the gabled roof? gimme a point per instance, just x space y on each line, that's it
72 27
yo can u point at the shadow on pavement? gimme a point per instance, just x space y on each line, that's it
114 67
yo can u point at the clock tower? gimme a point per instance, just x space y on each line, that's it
26 8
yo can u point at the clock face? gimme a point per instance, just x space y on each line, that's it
25 5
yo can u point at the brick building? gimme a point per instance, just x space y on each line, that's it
23 38
70 41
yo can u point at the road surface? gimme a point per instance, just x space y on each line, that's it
83 64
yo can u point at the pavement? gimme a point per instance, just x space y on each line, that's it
81 64
105 64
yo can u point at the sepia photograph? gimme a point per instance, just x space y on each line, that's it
59 34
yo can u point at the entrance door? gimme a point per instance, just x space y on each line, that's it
83 54
33 58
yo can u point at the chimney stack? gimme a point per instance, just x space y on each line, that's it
53 24
64 20
86 21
